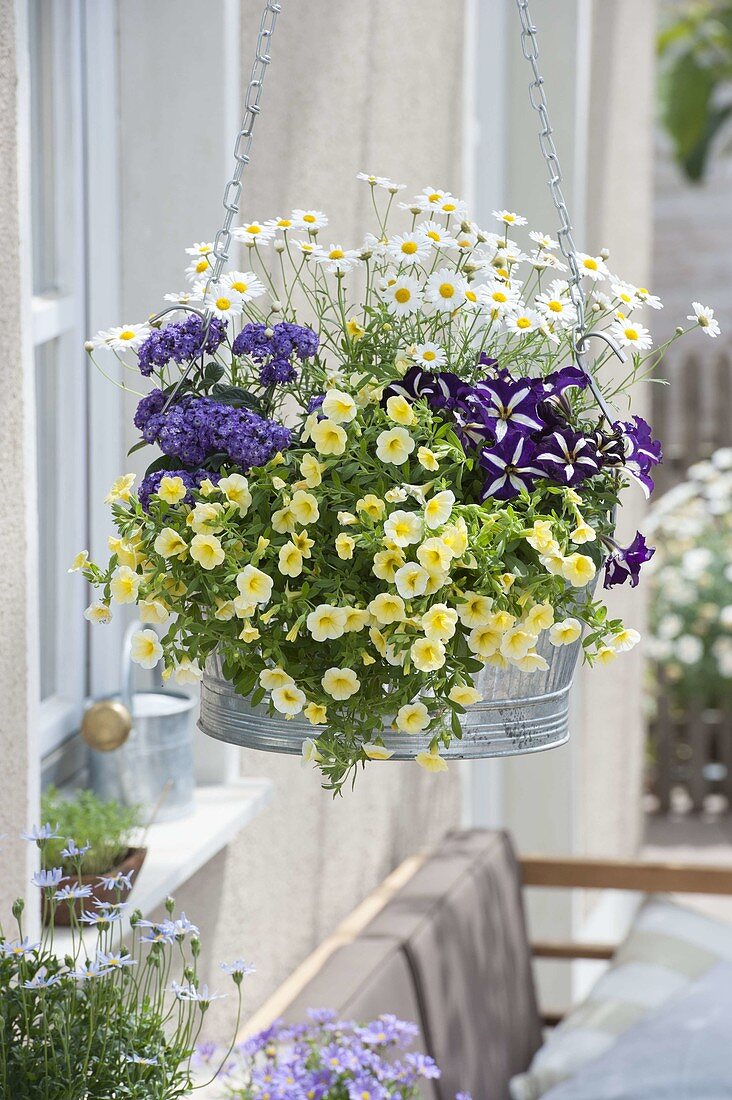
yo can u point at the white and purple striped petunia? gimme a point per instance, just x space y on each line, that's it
510 467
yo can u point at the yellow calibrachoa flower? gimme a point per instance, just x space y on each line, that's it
125 585
582 533
254 585
377 752
98 612
395 446
541 536
455 537
340 683
153 611
605 655
411 580
464 695
578 569
531 662
372 506
248 634
225 610
388 608
553 562
427 459
412 718
339 407
439 623
172 489
427 655
400 411
517 642
386 563
119 492
502 620
403 528
346 519
184 672
316 714
310 753
540 617
243 609
328 438
207 551
304 507
345 546
81 559
288 700
625 640
145 648
303 542
475 610
431 761
283 520
290 560
205 519
169 544
484 641
312 471
326 622
434 554
354 330
565 632
437 511
271 678
356 618
235 488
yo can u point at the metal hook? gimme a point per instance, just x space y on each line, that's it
579 354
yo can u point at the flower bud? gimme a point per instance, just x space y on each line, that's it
276 307
279 246
18 907
605 253
88 346
169 905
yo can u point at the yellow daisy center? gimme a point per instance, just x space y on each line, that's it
128 334
409 248
201 265
402 295
429 356
631 333
434 235
499 296
555 306
336 254
240 287
523 322
310 218
591 264
447 290
434 197
223 303
253 230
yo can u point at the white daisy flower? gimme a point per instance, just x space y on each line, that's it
309 249
200 248
544 241
556 308
627 294
499 297
283 224
429 198
523 320
542 260
429 355
244 283
224 302
312 220
199 267
253 233
509 217
466 241
648 299
704 317
183 298
436 234
403 296
631 334
337 258
445 290
126 336
593 267
452 207
411 248
374 181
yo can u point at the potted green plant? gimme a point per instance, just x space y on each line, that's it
103 858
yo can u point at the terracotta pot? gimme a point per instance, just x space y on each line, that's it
132 861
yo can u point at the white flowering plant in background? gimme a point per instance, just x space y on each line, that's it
691 587
384 471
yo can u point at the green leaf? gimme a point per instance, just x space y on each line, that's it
237 397
163 462
137 446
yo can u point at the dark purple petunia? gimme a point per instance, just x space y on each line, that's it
510 404
564 379
626 563
642 451
567 456
191 479
179 342
439 391
509 467
474 424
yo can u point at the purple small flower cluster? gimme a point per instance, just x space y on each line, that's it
191 479
195 428
274 349
327 1059
179 342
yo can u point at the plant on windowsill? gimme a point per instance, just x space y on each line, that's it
117 1016
104 863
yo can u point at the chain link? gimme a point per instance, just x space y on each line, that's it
232 191
537 97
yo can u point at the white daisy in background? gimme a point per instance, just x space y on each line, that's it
253 233
450 206
556 307
593 267
542 260
181 299
376 246
436 234
509 217
338 258
430 197
499 297
374 181
544 241
411 248
506 258
704 317
244 283
198 268
649 299
495 241
283 224
466 241
445 290
601 302
627 294
312 220
224 302
429 355
200 248
403 296
309 249
523 321
631 334
126 336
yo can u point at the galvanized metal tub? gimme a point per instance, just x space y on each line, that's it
521 712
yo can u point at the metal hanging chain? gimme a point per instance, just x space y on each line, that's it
537 96
232 191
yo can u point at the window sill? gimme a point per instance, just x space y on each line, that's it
176 850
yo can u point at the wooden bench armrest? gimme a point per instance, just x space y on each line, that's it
625 874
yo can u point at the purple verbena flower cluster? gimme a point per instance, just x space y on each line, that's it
275 347
328 1059
179 342
195 428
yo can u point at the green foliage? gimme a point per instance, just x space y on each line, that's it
695 52
106 826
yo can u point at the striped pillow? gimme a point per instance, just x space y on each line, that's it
667 948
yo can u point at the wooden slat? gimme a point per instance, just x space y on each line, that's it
618 874
664 741
699 740
544 949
